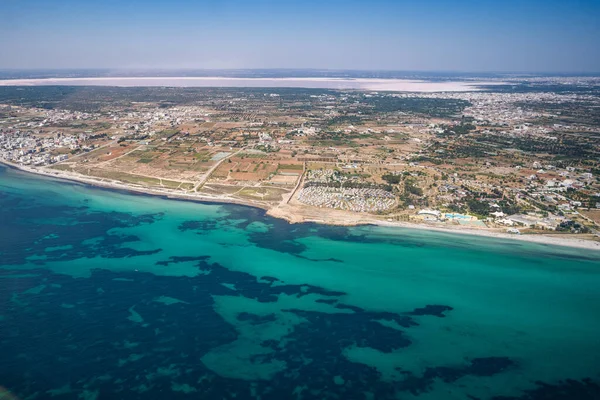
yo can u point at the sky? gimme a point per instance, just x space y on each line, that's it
401 35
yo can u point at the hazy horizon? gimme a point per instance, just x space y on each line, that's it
531 36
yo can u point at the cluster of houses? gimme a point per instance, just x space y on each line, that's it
325 176
29 149
358 200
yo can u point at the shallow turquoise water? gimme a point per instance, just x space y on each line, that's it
105 294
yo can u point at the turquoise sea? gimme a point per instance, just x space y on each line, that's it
110 295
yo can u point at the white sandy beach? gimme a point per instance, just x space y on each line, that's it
395 85
294 215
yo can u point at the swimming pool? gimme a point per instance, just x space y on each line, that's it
458 216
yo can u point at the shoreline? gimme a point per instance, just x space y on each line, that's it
290 214
70 177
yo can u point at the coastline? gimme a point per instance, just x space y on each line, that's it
293 213
119 186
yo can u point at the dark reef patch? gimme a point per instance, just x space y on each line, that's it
487 366
269 279
570 389
177 259
256 319
345 330
199 226
331 259
30 229
435 310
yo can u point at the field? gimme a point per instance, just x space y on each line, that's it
131 178
594 215
261 193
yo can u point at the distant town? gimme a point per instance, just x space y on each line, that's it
521 156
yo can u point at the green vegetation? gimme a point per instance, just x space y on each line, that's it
344 120
392 179
202 156
573 227
97 98
433 107
410 187
479 208
458 129
267 148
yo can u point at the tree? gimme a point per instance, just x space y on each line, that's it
478 207
391 178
